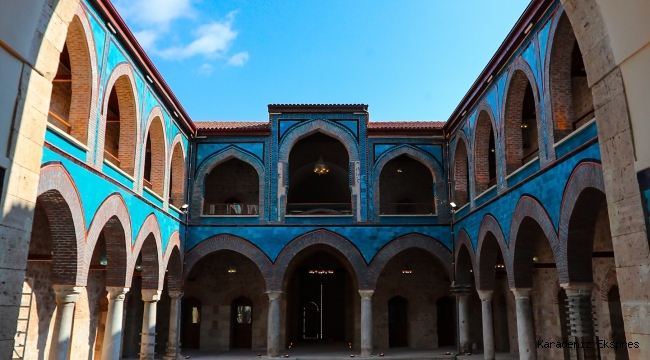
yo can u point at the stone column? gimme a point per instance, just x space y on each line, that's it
113 332
66 297
581 316
173 351
488 326
273 330
148 340
463 322
366 322
525 324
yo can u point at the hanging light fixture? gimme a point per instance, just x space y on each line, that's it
399 170
407 270
321 168
102 259
138 263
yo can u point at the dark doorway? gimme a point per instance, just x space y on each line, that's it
242 323
319 302
446 310
191 323
397 322
616 318
562 303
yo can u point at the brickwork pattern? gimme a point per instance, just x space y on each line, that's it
490 232
152 264
83 77
559 77
174 266
461 173
177 173
155 131
484 123
122 79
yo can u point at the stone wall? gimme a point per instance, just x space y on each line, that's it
216 288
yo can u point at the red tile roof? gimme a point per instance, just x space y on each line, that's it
232 125
405 125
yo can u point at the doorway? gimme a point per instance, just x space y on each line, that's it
242 323
320 308
191 323
446 311
397 322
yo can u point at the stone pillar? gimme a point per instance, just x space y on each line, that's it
525 324
463 322
273 330
148 340
66 297
581 317
366 322
113 331
173 351
488 326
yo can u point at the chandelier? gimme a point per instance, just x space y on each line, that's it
321 168
321 272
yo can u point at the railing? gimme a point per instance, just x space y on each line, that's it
407 208
319 209
59 119
111 158
529 157
589 114
147 184
230 209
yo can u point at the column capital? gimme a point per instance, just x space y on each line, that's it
117 292
150 295
175 294
366 294
485 295
521 293
578 288
274 294
67 293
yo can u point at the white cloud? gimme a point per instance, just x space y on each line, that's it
211 40
206 69
146 38
159 13
239 59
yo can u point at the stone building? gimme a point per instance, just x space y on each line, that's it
128 229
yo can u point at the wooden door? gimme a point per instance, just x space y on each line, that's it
397 322
191 323
242 320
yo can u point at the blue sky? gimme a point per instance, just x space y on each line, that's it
406 59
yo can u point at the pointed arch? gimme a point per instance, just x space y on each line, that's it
322 237
173 263
63 207
486 160
231 152
397 245
490 242
149 242
329 128
461 169
465 259
440 193
156 134
123 80
177 172
233 243
114 219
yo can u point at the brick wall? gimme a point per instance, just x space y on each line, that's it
232 179
482 151
177 177
512 120
156 136
81 86
461 174
125 144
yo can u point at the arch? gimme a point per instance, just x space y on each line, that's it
485 124
62 203
213 161
123 80
233 243
149 234
607 283
528 206
465 260
324 237
486 252
520 75
177 172
173 264
114 219
461 174
440 190
329 128
157 136
586 175
404 242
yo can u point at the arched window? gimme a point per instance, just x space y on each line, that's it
319 177
520 122
120 135
485 173
72 85
571 99
461 174
406 188
177 177
232 188
154 159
